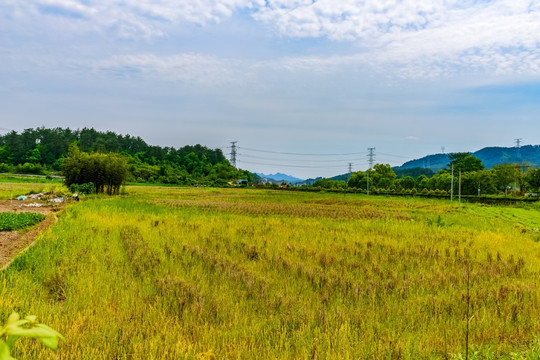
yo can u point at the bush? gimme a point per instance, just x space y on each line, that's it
87 188
4 168
107 172
28 168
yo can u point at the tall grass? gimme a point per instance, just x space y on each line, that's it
12 190
244 274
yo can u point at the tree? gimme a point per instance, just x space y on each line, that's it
505 175
4 154
465 162
329 184
533 179
106 171
422 182
33 156
358 180
407 182
382 176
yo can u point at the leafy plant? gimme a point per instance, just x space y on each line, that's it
13 221
29 328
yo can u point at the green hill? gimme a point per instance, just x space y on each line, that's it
490 156
41 150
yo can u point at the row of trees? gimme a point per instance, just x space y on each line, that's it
475 179
41 150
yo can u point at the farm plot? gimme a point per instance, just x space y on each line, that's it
246 274
14 221
20 223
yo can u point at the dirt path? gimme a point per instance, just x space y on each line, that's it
15 242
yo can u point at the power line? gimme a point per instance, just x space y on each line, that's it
398 156
293 166
296 160
299 154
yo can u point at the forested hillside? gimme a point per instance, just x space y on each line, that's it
490 156
41 150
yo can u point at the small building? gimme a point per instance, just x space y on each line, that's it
242 182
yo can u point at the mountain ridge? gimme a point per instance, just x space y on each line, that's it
490 156
280 177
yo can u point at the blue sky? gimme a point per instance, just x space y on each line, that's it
304 77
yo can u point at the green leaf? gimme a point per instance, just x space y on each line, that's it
35 332
11 341
4 352
50 342
12 319
31 318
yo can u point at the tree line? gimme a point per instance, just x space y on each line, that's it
42 150
503 179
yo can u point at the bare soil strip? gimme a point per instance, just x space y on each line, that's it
13 243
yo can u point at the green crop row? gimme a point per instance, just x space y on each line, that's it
13 221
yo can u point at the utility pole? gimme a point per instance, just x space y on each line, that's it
459 188
367 182
371 157
452 185
233 153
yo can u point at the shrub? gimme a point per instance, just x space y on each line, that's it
4 168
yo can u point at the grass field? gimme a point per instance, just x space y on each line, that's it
9 190
168 273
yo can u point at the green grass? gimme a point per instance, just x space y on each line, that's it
13 178
15 221
183 273
12 190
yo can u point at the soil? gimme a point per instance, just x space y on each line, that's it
13 243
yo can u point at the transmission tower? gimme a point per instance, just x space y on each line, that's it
518 146
371 156
350 168
233 153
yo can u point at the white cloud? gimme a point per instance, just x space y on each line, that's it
350 19
188 68
129 18
403 38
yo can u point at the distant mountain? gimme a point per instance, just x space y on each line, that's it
490 156
277 177
434 162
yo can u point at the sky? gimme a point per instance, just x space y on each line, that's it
304 87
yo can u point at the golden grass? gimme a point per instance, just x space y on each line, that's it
246 274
